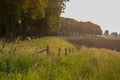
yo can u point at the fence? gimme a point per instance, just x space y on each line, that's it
60 51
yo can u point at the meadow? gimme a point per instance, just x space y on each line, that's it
20 61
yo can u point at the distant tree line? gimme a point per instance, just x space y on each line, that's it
30 17
73 27
113 34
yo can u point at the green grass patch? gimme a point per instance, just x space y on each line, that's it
36 45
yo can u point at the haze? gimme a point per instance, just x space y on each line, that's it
105 13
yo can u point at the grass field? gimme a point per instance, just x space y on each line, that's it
36 45
86 64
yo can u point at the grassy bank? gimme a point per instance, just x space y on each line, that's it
86 64
36 45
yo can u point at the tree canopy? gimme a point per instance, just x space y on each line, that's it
29 17
39 18
70 26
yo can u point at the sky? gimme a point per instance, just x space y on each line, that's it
105 13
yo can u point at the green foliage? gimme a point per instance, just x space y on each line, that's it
13 11
50 24
19 17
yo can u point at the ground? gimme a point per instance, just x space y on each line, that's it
98 43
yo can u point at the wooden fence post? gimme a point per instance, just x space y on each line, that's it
69 50
72 50
65 51
59 50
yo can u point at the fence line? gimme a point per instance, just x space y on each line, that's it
66 51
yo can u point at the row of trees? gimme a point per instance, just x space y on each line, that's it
30 17
113 34
73 27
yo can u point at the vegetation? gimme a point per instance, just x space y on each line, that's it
73 27
37 18
36 45
22 60
88 64
72 37
106 32
29 17
114 34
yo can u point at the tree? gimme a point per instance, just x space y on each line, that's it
35 11
51 21
114 34
30 17
106 33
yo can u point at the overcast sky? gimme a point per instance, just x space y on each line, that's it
105 13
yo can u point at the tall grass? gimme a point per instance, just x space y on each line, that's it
86 64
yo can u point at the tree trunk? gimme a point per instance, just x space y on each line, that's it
7 28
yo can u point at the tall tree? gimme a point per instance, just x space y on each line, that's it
51 22
106 33
35 10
